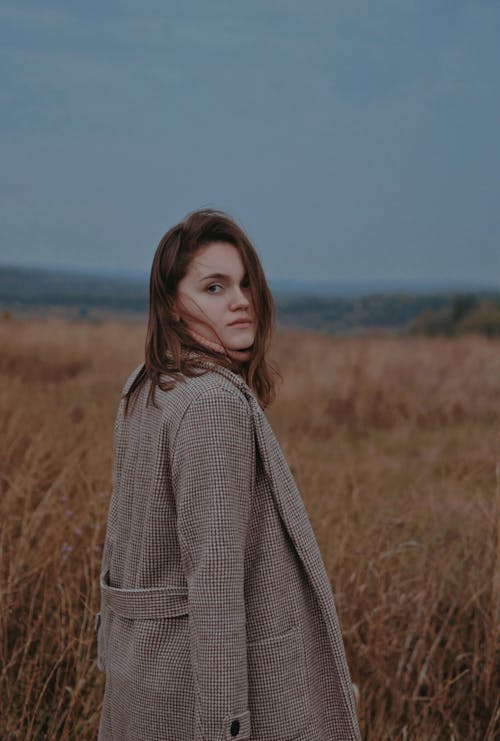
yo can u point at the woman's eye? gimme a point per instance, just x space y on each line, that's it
245 284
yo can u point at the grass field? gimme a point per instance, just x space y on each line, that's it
395 446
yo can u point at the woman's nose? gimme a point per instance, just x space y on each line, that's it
240 299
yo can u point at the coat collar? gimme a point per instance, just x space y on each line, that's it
235 379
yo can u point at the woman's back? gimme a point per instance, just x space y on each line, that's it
143 502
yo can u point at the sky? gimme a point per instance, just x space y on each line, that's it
351 139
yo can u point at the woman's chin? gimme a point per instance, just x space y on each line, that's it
240 347
243 343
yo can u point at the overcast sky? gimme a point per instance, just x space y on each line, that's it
350 138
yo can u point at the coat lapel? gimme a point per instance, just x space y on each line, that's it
289 502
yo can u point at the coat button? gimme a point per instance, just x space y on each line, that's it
235 727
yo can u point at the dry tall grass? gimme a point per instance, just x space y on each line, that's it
395 447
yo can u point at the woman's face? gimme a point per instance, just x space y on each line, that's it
216 289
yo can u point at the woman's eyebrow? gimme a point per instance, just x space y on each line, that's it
221 276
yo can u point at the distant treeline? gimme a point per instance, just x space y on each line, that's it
469 313
85 296
447 314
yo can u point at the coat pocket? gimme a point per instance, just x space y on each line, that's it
152 604
279 693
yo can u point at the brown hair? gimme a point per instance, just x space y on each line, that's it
168 342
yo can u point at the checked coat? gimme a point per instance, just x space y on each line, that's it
217 620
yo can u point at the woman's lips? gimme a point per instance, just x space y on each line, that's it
241 323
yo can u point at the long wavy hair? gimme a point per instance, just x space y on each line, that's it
169 345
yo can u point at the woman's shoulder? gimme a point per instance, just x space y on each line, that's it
208 383
204 402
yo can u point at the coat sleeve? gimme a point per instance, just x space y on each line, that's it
213 477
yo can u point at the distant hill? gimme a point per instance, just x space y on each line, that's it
22 288
331 306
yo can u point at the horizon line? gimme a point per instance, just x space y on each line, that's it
135 273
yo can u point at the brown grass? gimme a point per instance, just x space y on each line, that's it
394 444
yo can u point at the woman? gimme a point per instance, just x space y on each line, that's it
217 617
